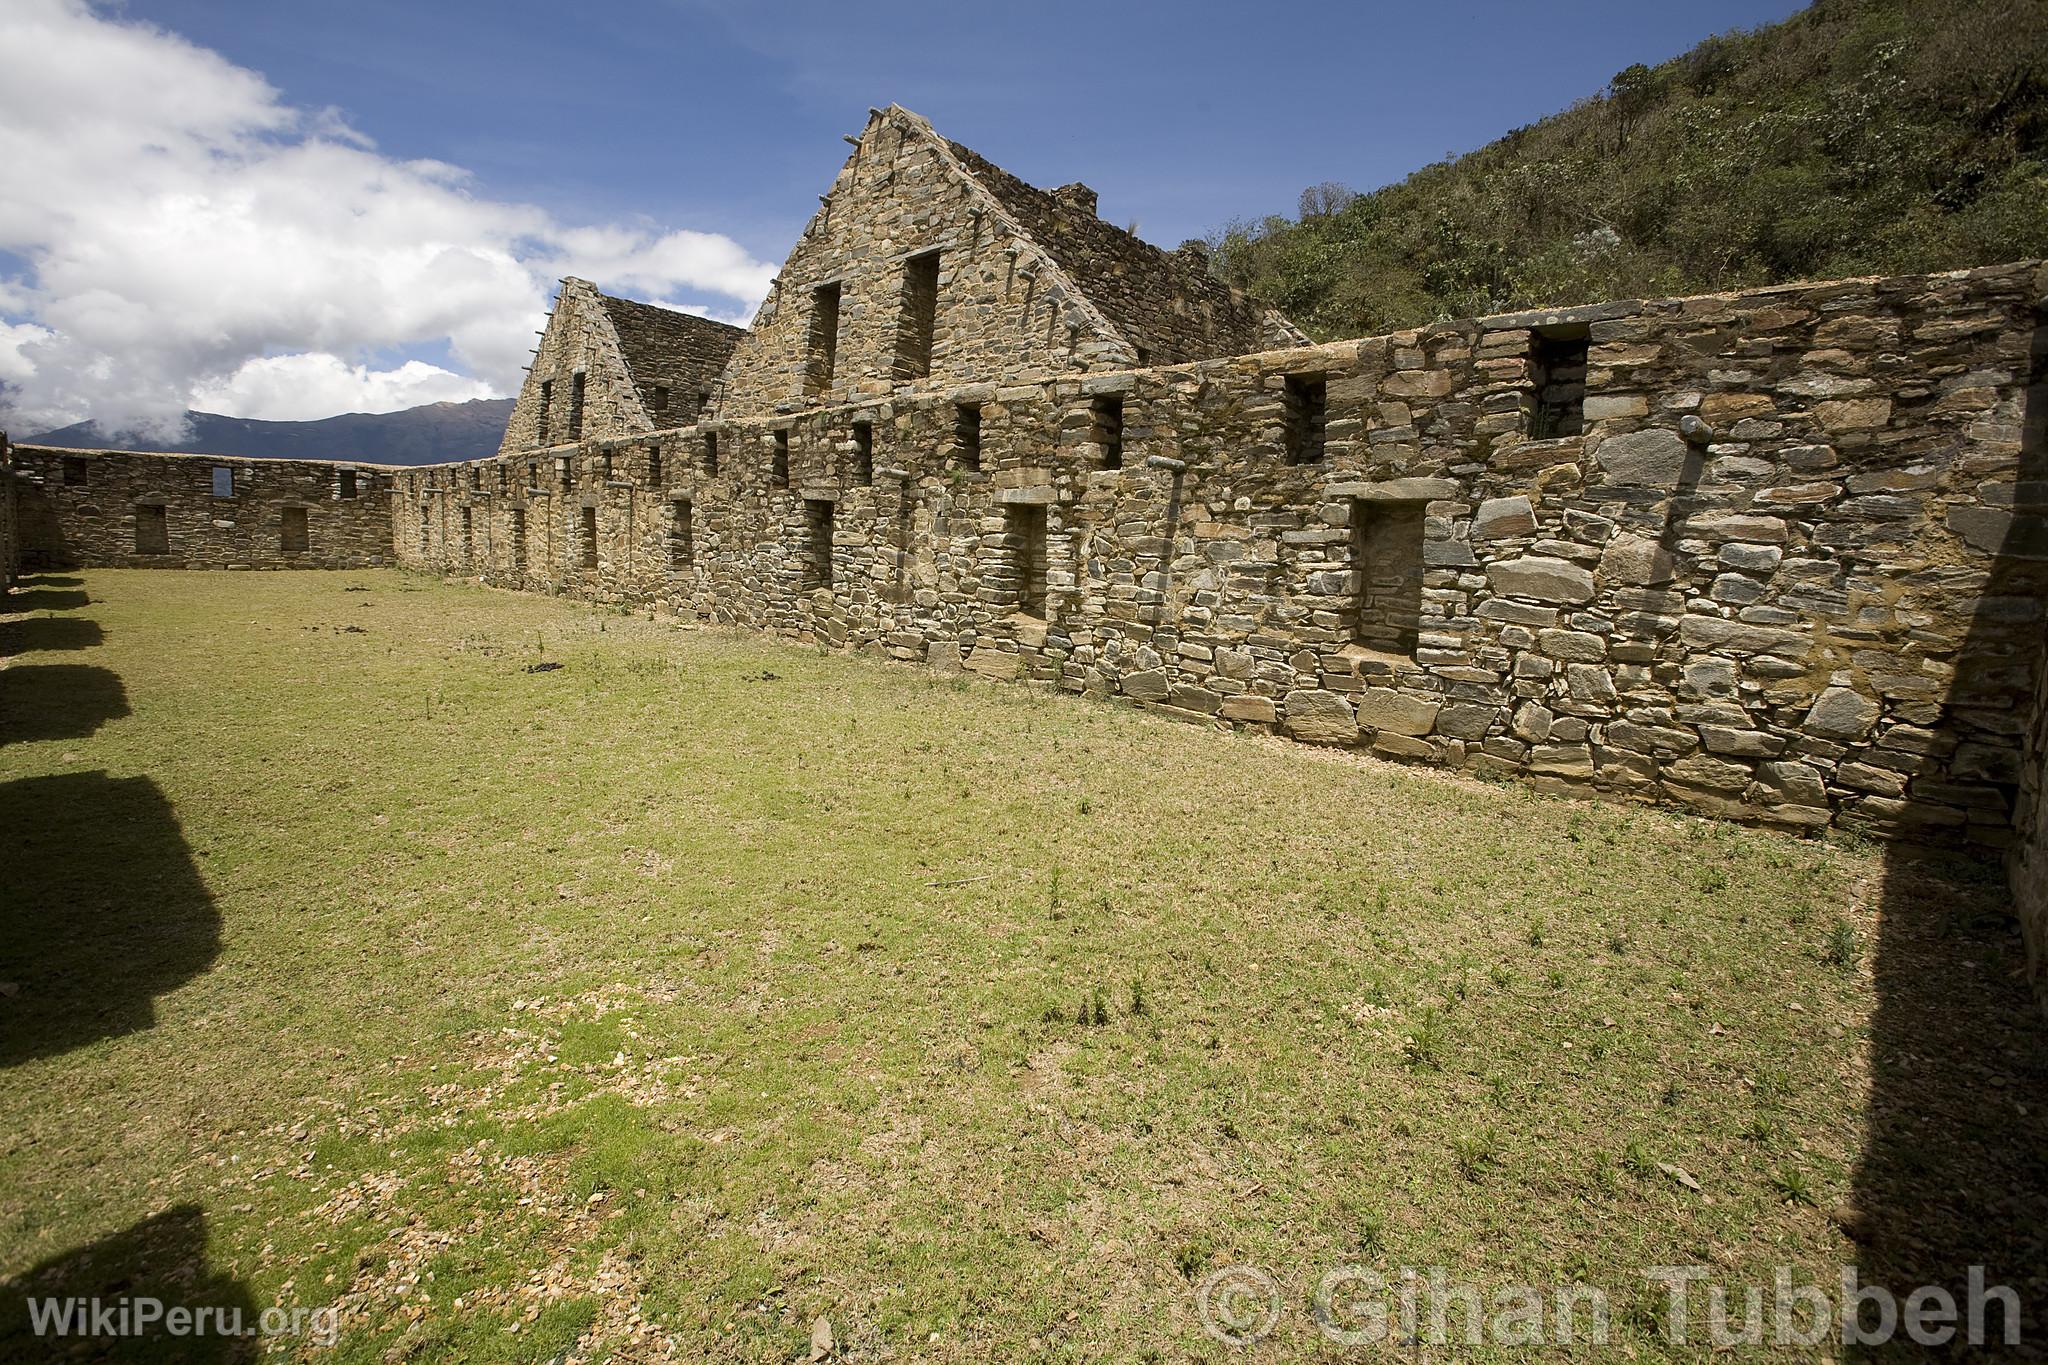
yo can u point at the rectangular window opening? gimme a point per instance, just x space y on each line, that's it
544 414
1557 380
1386 561
152 530
863 453
576 406
816 569
1307 402
778 467
654 465
967 435
919 316
223 481
293 537
590 537
657 401
1107 422
824 344
682 550
1024 538
74 471
606 468
710 452
347 485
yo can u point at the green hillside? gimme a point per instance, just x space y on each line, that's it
1857 137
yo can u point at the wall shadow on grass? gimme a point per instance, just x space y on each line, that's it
101 911
162 1258
1955 1165
47 599
57 701
24 634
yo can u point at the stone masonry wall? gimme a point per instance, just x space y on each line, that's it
10 538
88 508
2027 862
1784 574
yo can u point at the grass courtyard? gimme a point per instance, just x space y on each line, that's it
665 1002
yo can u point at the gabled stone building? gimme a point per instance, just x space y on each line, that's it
928 267
608 367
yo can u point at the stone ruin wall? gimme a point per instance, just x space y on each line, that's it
1786 573
99 508
10 539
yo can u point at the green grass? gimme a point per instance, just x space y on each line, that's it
707 986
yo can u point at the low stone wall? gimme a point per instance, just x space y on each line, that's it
10 540
113 508
1785 568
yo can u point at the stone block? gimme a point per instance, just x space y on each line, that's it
1319 717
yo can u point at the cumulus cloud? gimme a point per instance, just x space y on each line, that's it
187 238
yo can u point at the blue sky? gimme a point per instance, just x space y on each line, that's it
727 117
290 208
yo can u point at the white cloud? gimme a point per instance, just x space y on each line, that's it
285 388
192 240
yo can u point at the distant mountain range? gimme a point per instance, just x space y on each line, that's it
428 434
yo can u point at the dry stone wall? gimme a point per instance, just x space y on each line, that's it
10 537
111 508
1788 570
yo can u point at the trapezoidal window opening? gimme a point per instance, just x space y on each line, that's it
293 537
682 547
918 318
576 406
152 529
778 460
1024 544
1557 382
544 412
1386 563
1306 401
589 524
824 341
863 453
1106 429
815 569
657 399
967 435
